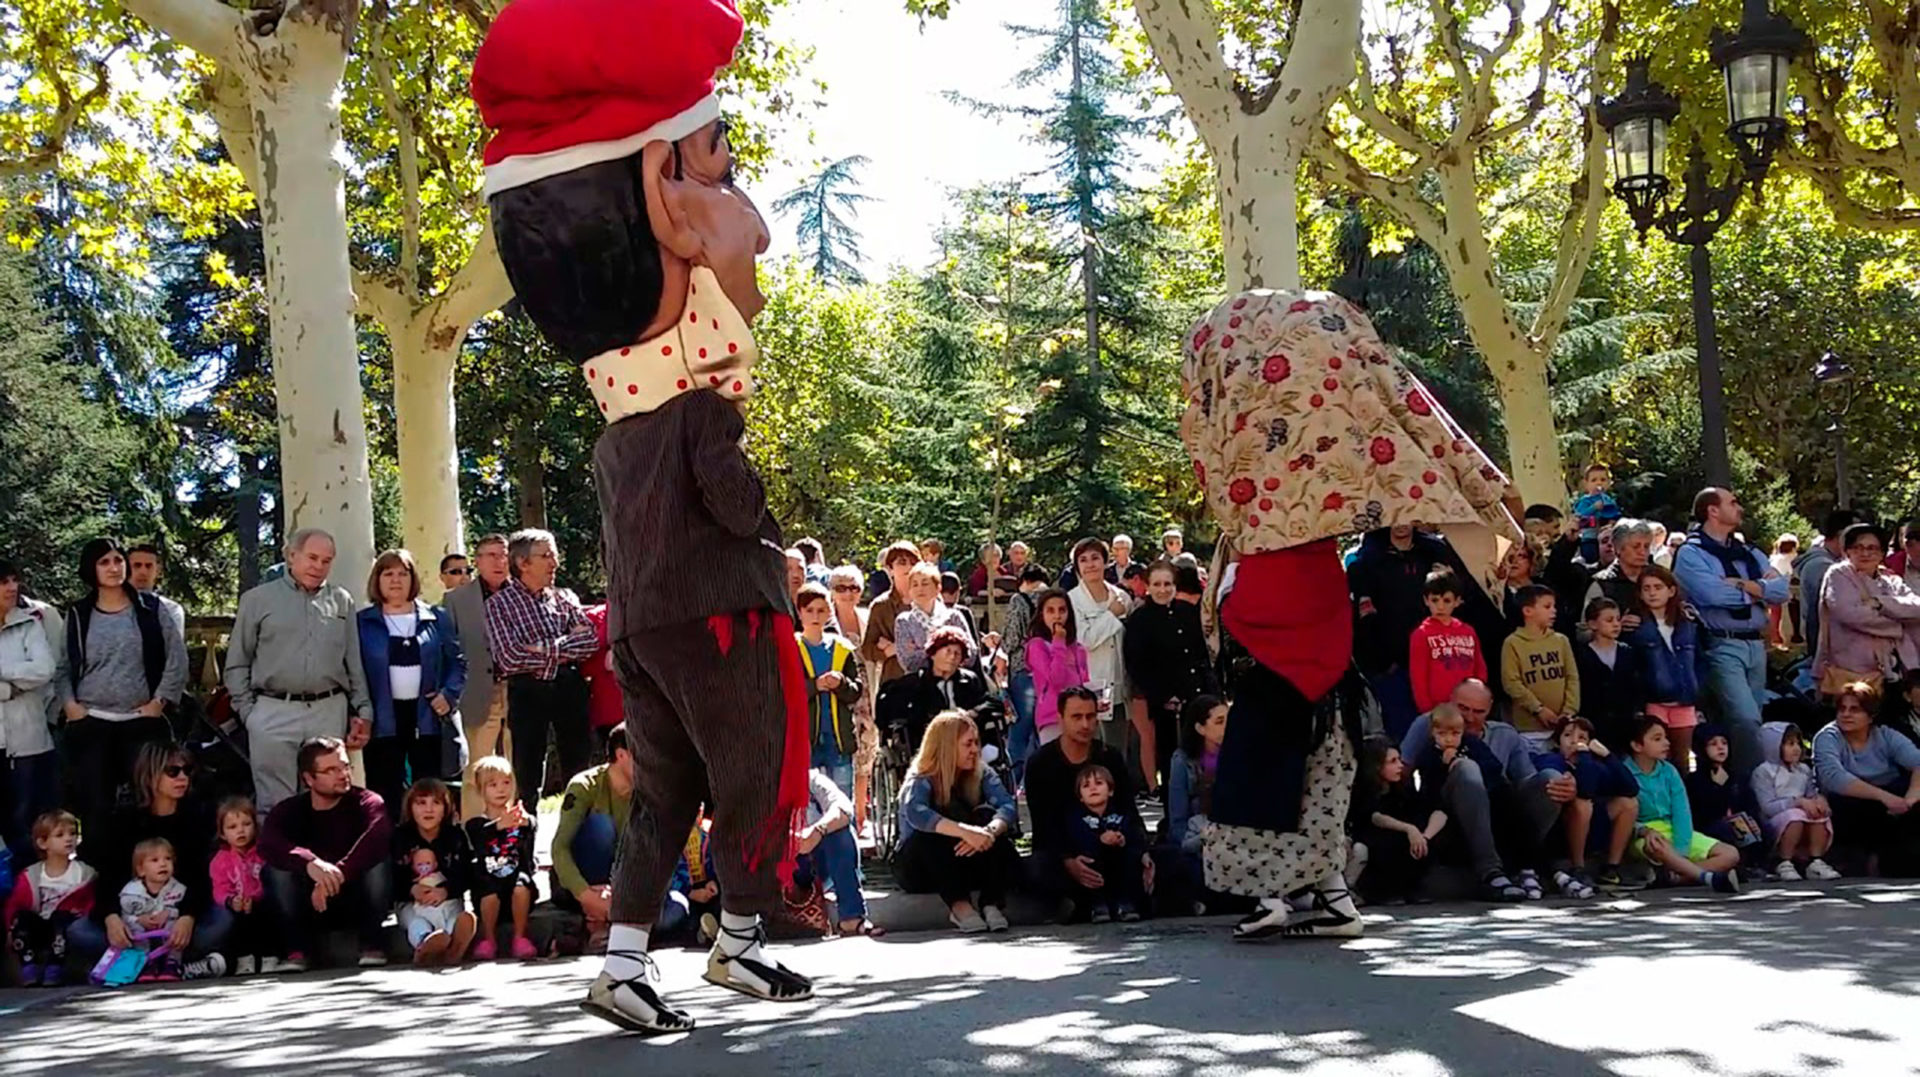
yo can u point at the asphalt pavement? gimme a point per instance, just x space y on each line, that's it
1787 980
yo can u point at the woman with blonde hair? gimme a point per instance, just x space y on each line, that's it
956 826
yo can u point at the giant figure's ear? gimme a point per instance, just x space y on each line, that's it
668 215
668 208
702 218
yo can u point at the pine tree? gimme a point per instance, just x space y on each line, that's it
1097 355
829 242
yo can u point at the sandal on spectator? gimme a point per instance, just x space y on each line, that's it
1570 884
1529 883
1497 887
862 927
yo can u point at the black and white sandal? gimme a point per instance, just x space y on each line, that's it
1266 921
632 1003
1331 913
767 980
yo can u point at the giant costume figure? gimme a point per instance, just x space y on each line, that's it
611 186
1302 428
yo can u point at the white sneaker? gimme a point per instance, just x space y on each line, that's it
971 924
245 966
1820 869
269 966
996 920
1787 873
210 967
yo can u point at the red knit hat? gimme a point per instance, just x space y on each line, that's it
568 83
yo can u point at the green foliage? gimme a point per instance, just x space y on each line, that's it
52 497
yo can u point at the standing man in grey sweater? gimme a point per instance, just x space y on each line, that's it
483 709
293 666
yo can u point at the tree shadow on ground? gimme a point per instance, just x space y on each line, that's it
1784 981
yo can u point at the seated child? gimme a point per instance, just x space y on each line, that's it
434 858
1393 823
1190 775
502 838
47 897
694 896
151 901
1797 816
1598 777
1497 842
1716 795
1664 835
1104 836
235 869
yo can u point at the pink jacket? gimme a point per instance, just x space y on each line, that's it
1055 668
237 874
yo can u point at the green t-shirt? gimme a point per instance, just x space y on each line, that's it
590 792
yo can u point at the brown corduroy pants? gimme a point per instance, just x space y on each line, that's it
707 724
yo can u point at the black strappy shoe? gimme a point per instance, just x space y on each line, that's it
767 980
651 1017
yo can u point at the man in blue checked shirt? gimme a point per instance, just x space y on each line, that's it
1730 584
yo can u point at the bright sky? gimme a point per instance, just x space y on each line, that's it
886 81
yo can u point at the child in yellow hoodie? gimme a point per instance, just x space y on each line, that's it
1537 667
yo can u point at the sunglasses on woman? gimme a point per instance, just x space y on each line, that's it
178 770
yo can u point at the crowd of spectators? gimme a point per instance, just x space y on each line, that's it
1597 716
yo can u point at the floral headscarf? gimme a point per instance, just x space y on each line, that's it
1303 427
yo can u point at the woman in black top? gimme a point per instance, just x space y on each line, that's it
163 808
1165 649
910 704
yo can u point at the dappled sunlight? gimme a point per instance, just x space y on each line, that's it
1779 981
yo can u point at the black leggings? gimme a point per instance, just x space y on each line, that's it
1868 826
102 754
394 762
537 708
37 940
925 864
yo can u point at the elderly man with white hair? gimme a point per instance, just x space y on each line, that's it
293 666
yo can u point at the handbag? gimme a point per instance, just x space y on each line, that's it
1834 678
118 968
453 745
802 913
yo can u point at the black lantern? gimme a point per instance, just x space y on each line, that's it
1754 61
1832 370
1637 120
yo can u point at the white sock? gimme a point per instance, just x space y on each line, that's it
624 941
737 935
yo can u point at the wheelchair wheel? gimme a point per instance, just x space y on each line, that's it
885 813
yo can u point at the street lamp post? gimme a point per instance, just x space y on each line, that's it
1834 371
1754 62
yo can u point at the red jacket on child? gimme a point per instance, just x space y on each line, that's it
1439 657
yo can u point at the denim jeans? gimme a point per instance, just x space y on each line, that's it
839 767
1736 679
33 786
89 937
1394 690
593 846
1021 742
362 904
836 862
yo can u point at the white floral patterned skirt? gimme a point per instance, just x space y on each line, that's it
1267 863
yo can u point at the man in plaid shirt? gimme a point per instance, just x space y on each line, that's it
539 636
